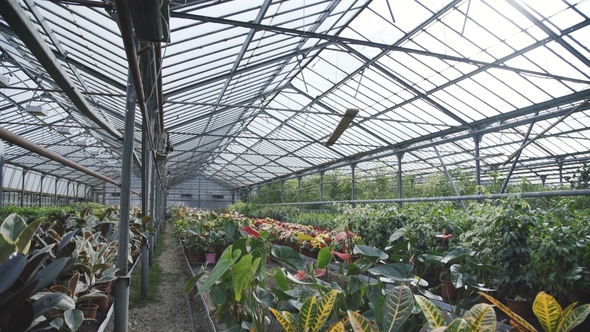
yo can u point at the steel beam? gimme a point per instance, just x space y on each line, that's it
22 195
449 176
517 157
400 192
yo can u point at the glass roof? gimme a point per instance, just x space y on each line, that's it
252 90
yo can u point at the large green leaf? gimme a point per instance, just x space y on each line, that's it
324 309
457 275
359 323
548 311
574 318
481 317
398 306
74 318
10 270
397 234
284 320
228 257
280 279
242 274
308 314
12 226
399 272
459 325
46 303
324 258
23 241
10 303
370 252
508 312
456 255
7 247
289 257
48 274
433 315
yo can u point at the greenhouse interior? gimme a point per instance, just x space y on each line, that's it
339 159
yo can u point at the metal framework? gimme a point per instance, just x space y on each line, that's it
248 92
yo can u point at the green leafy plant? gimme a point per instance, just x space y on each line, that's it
550 314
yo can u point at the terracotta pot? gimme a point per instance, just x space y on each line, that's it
211 257
88 309
196 257
447 289
102 302
104 287
520 307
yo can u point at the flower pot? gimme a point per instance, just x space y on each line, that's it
211 257
102 302
584 296
305 252
88 309
195 257
484 300
104 287
520 307
447 289
313 254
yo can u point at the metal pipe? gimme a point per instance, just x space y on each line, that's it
26 144
124 20
123 281
298 189
477 138
158 53
282 192
152 236
584 192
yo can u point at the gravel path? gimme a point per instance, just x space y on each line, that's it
172 313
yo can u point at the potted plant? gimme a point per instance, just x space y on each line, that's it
515 222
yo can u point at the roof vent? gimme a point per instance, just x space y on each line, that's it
38 110
65 130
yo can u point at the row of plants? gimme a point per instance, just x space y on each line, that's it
249 297
55 274
537 249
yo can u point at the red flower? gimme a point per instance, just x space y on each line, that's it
319 272
340 236
342 256
445 237
299 275
251 231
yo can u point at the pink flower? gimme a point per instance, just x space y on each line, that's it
299 275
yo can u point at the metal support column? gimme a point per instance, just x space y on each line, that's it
400 193
298 189
352 194
1 174
543 179
69 183
322 190
41 190
258 194
449 176
152 207
560 163
55 189
477 138
145 196
282 191
123 281
104 193
22 194
269 193
77 197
